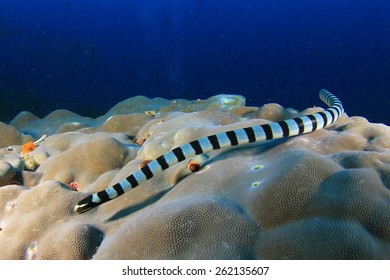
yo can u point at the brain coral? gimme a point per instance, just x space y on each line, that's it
324 195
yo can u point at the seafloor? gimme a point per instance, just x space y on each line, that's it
324 195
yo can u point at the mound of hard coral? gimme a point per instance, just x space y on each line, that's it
323 195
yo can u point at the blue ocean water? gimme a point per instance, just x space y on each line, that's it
86 55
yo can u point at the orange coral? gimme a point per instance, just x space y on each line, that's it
28 147
144 162
74 186
193 166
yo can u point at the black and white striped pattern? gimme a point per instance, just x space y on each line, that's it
286 128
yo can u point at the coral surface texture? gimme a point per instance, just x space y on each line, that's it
322 195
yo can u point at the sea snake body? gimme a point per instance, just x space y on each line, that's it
241 136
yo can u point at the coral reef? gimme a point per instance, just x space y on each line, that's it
324 195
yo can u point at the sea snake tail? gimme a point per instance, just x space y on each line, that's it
286 128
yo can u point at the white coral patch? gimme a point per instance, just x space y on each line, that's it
31 251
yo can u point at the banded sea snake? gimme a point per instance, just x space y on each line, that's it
286 128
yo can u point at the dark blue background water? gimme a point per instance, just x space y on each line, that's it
88 55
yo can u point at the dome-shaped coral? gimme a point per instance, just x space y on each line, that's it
323 195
